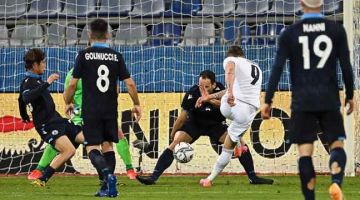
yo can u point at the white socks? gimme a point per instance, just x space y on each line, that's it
221 163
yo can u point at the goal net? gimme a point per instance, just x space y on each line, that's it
165 44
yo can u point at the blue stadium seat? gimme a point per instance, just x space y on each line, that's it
56 34
266 34
27 35
166 34
131 34
43 9
78 8
183 8
12 9
71 35
286 7
113 8
217 7
251 7
146 8
4 36
235 32
199 35
332 7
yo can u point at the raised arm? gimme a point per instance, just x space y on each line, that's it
33 92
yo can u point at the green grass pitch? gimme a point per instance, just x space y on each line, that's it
171 188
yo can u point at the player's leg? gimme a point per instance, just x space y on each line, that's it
66 151
304 128
247 162
222 161
48 155
166 158
332 125
110 137
241 115
93 132
122 148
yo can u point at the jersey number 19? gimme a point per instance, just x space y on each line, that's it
323 54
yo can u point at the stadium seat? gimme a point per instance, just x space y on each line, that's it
199 35
131 34
71 35
286 7
217 7
4 36
266 34
252 7
12 8
43 9
56 34
166 34
78 8
235 32
84 38
331 7
146 8
113 8
183 8
27 35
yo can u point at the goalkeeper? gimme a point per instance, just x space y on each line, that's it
49 152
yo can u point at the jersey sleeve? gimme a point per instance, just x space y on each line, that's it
77 73
22 107
123 72
344 59
68 78
185 104
228 59
220 86
32 90
277 68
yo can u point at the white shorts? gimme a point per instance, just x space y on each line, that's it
242 115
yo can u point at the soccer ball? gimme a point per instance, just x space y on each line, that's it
183 152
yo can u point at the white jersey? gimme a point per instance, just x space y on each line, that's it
248 78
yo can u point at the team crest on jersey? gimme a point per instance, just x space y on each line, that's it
54 132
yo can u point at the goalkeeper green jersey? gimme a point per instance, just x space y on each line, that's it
76 118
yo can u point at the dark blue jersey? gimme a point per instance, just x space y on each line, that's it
205 116
313 47
100 69
34 93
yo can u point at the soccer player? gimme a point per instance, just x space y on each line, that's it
50 153
52 128
313 45
196 121
100 68
239 103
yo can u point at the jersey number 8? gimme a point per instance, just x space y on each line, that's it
323 54
103 73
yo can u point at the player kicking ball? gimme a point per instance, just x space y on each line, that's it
203 120
314 45
50 153
62 135
239 103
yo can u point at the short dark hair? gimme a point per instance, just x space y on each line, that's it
235 51
32 56
208 74
99 28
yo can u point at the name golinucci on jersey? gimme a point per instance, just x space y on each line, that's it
319 27
101 56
